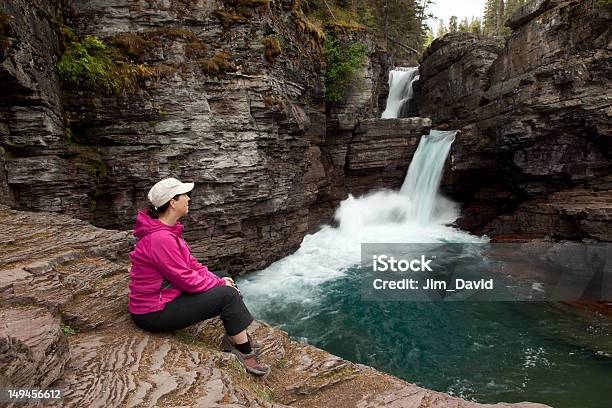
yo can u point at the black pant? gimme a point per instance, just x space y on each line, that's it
191 308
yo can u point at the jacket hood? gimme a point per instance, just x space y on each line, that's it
146 225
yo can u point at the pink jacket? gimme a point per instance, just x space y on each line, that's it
163 267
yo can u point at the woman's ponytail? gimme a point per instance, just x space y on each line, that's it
155 212
152 211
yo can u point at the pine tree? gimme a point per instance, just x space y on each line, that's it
441 29
500 17
428 38
490 17
475 26
464 26
452 24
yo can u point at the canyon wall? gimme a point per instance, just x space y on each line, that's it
533 155
227 96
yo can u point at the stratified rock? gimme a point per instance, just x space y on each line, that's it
529 11
541 124
380 152
124 366
252 136
64 264
567 214
33 349
453 76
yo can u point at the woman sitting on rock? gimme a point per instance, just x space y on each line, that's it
170 289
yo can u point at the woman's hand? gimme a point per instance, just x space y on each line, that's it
230 282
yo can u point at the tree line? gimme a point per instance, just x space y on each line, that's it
397 25
495 14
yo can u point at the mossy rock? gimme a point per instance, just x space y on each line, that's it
272 48
228 18
218 65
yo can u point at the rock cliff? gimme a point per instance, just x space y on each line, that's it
64 324
533 157
228 94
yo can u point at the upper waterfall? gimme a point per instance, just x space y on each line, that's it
400 90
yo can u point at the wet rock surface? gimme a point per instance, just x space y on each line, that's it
533 152
64 324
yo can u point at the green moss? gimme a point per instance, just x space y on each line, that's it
69 135
173 166
68 331
343 59
604 3
191 340
89 62
98 168
272 46
263 391
158 110
282 362
93 204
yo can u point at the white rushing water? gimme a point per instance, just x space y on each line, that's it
400 90
415 214
424 175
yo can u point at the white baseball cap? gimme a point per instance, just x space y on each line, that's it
165 190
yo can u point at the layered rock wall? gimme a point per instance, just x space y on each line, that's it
221 106
535 121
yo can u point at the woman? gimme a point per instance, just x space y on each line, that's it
170 289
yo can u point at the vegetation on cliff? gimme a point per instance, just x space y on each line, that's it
90 62
343 58
396 25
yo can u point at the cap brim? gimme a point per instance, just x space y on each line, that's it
185 188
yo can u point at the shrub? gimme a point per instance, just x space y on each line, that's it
133 44
272 47
342 60
217 65
68 331
90 62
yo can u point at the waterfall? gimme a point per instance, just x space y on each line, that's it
425 173
400 90
416 213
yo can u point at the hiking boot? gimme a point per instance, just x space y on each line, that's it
251 363
228 344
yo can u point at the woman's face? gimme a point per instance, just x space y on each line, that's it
181 204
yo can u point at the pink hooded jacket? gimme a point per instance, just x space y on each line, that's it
163 267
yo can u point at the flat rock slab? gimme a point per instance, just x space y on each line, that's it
127 367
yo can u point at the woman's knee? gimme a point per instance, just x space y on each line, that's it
228 292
